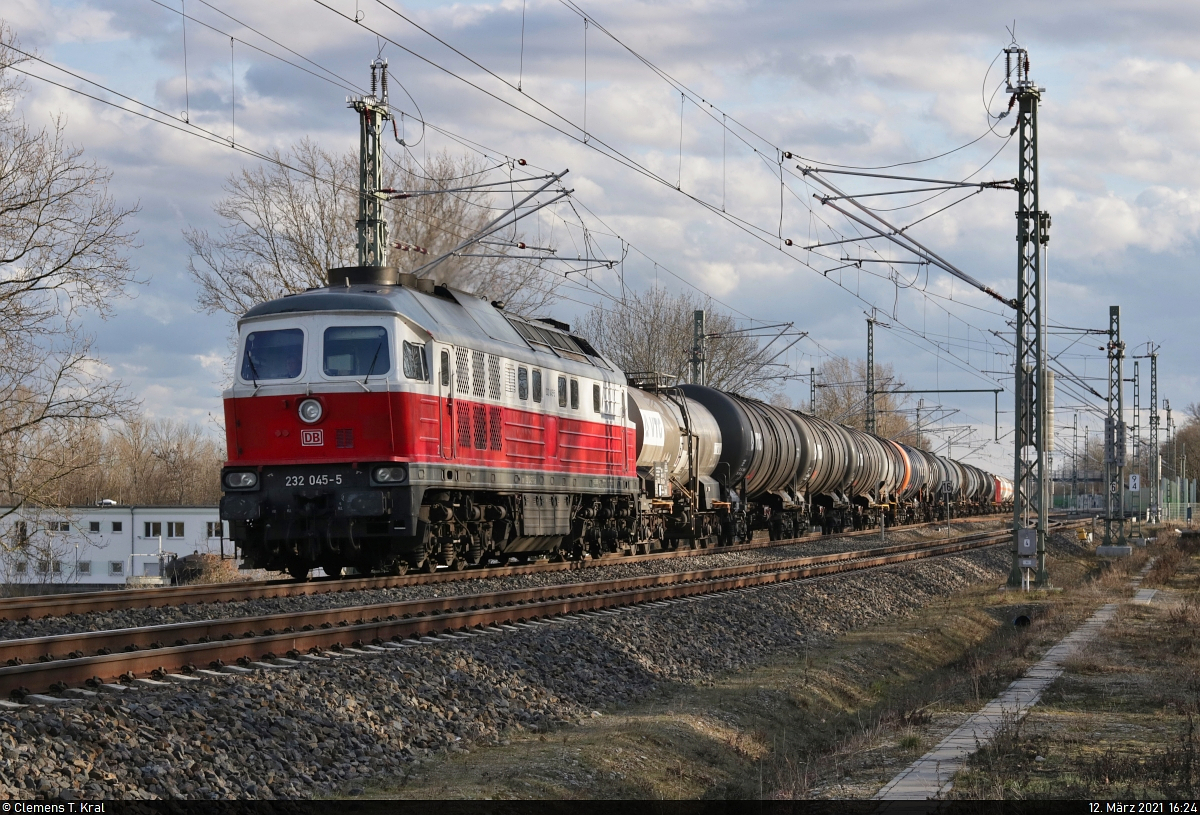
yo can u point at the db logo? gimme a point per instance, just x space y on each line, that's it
312 438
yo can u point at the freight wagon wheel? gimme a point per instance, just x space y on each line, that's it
299 571
458 564
428 566
332 569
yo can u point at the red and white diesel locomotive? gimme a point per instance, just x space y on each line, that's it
384 423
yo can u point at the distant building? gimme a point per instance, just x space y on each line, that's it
106 545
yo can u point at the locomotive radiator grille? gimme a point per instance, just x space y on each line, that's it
462 374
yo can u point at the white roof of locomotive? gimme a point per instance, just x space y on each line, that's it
449 315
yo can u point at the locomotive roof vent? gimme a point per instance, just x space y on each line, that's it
378 276
360 275
559 324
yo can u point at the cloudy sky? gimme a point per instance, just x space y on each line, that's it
865 85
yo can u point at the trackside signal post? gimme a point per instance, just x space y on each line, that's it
1030 486
373 111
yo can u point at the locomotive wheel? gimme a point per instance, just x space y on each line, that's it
298 571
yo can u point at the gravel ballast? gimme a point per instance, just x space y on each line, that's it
330 726
131 618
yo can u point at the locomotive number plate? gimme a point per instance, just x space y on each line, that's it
323 480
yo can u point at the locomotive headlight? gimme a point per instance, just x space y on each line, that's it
240 481
311 411
390 475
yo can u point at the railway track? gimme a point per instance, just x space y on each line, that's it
59 605
284 639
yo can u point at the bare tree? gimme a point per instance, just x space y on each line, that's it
284 225
842 398
652 332
144 462
63 245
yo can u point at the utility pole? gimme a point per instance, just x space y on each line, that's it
1137 418
920 404
373 111
698 371
1029 481
812 390
1170 446
1114 434
1075 460
1155 459
870 423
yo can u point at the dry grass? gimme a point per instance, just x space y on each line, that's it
1121 721
213 569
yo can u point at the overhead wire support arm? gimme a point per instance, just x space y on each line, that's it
994 391
898 237
983 185
397 195
500 222
1006 184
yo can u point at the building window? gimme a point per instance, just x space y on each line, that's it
153 529
93 526
117 527
58 526
56 566
174 529
21 532
22 567
84 569
596 398
43 566
215 529
116 567
574 394
537 385
522 383
562 391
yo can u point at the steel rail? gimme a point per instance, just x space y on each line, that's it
59 605
157 636
443 618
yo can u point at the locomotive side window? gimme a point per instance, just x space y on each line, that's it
414 362
537 385
562 391
275 354
445 368
574 394
357 351
595 398
522 383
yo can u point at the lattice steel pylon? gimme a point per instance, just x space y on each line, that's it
1030 484
870 422
373 111
1155 464
1114 434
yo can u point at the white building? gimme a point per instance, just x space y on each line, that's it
105 545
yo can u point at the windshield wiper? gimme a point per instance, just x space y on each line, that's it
253 368
371 367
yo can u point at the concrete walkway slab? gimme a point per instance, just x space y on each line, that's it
930 775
